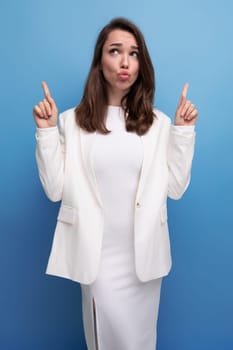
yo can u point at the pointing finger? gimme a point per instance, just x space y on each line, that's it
185 90
46 90
183 95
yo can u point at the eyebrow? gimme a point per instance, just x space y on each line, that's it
120 44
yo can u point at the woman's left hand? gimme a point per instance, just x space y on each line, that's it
186 113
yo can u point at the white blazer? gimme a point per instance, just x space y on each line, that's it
66 172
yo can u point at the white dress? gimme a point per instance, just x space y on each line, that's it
119 311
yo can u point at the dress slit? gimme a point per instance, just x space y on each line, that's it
95 324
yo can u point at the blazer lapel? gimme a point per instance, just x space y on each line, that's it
87 140
149 141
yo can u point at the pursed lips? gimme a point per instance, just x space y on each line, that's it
123 75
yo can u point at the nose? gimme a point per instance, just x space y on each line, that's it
125 61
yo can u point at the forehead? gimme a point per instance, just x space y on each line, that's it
122 37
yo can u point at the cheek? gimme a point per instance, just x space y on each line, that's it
107 73
108 66
136 69
135 66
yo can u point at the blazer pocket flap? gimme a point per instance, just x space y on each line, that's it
66 214
163 214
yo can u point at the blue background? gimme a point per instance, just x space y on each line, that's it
53 40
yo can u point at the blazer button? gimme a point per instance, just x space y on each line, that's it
138 205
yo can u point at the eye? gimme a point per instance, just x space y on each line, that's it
114 51
134 54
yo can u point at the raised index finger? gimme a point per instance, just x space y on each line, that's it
46 89
185 90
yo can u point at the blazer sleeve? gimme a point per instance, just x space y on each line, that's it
180 156
50 157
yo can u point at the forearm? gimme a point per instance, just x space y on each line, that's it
50 157
180 155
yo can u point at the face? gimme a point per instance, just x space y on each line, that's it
120 63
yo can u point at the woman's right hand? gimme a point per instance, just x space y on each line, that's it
45 112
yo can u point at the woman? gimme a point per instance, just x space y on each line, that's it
112 162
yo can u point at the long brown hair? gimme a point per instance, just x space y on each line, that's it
137 103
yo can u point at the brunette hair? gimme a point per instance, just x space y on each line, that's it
137 103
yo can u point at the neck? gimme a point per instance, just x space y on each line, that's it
115 97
